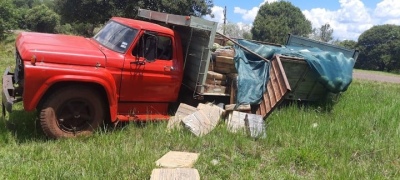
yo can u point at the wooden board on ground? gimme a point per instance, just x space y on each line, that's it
176 159
243 107
204 120
214 111
253 124
183 111
175 174
235 121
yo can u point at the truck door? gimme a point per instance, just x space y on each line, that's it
151 72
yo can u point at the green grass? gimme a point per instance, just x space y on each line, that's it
356 138
7 50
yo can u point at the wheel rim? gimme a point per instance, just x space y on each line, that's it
75 115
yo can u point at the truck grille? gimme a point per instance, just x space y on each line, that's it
19 68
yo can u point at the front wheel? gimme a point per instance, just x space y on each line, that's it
71 112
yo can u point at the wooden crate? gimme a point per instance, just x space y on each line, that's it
277 89
302 80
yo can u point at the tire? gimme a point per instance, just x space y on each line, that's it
72 111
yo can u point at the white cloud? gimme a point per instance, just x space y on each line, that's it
218 13
348 22
388 9
353 18
250 15
392 21
247 15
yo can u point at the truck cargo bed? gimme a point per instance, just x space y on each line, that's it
197 36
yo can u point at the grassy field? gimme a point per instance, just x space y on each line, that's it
356 138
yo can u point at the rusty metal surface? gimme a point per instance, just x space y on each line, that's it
277 88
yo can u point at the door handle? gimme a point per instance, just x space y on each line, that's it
168 68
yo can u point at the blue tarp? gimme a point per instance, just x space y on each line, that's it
333 68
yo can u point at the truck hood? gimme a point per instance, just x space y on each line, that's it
61 49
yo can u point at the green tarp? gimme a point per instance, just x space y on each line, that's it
333 68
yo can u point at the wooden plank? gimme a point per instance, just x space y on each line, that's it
225 52
270 91
215 82
198 123
224 69
253 124
215 75
243 107
276 73
204 120
212 88
277 89
175 174
176 159
233 88
183 111
283 73
225 60
235 121
213 111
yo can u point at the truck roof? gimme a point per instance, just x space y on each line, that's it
137 24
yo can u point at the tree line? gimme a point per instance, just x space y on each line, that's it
82 16
379 46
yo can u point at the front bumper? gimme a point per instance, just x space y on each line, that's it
8 91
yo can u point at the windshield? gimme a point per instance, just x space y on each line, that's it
116 36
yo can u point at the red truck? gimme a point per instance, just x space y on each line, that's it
130 70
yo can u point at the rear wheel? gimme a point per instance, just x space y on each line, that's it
72 111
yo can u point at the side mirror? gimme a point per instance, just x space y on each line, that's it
150 48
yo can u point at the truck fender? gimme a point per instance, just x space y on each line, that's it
106 82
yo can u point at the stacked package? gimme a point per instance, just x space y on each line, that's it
221 67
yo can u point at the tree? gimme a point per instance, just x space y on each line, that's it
235 31
275 20
349 44
29 4
42 19
7 16
180 7
95 12
83 11
380 48
324 33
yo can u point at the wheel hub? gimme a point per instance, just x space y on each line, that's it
75 115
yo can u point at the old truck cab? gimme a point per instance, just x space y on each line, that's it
130 70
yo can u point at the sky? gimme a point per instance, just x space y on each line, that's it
348 18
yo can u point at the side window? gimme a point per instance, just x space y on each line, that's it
164 47
138 51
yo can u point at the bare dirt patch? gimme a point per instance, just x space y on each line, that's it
376 76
